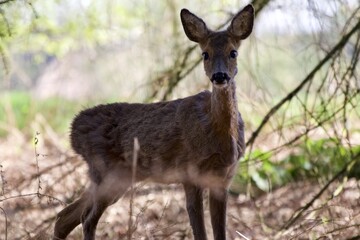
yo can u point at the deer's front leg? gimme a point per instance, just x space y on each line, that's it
194 206
218 200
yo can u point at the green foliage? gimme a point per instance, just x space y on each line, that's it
20 110
57 27
14 109
312 160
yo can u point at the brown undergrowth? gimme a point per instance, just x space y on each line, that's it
38 178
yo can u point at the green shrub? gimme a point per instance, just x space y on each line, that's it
313 160
19 110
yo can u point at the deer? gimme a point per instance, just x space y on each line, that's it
195 141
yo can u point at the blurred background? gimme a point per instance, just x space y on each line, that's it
298 91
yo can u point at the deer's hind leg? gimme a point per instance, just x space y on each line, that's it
104 194
70 217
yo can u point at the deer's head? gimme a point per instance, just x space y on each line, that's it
219 47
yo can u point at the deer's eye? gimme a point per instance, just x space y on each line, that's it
233 54
205 55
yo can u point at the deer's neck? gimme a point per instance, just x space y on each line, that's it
224 111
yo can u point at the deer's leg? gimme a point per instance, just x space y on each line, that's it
70 216
218 200
91 217
194 206
112 187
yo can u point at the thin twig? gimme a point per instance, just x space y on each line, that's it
3 181
242 235
6 222
36 141
132 190
32 195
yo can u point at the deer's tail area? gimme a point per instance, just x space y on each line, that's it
91 130
93 136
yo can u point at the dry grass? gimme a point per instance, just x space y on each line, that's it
38 180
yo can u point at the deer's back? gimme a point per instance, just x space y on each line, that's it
99 130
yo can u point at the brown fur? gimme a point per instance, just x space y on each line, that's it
195 141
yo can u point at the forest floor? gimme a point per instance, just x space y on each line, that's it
39 178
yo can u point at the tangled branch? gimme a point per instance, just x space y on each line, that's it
335 50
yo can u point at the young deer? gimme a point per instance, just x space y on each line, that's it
195 141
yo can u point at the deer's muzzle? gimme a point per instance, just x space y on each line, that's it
220 78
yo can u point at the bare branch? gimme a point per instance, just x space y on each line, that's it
337 48
6 1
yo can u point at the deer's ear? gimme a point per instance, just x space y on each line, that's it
194 27
242 24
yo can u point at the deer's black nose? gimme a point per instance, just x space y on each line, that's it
220 77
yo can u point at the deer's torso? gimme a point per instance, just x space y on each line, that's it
177 139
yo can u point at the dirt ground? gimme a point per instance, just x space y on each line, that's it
38 180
